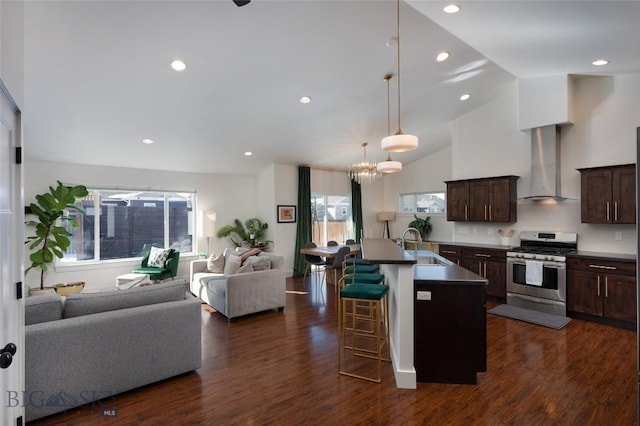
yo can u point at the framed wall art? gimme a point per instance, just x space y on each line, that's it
286 214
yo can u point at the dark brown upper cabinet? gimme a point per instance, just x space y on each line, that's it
482 200
608 194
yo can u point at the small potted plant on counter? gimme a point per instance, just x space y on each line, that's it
422 225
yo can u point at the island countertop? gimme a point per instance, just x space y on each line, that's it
385 251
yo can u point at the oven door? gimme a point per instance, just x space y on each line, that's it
553 280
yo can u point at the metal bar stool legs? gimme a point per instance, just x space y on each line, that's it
363 337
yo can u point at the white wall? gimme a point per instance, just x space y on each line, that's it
230 196
12 48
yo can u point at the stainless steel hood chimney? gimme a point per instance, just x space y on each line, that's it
545 164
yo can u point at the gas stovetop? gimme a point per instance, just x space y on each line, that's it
545 246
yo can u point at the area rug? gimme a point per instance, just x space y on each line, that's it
533 317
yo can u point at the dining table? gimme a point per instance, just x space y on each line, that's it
329 252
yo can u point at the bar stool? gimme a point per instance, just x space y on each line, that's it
374 325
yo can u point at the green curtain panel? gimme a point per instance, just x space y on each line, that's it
303 233
356 208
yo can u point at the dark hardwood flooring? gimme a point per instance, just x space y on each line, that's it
280 368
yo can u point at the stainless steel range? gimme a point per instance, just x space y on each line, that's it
537 271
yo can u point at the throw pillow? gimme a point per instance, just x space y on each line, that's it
215 263
232 264
259 263
251 252
247 267
158 257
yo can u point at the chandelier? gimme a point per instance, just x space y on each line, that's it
399 142
364 171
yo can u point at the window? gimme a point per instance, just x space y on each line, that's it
427 202
125 221
331 218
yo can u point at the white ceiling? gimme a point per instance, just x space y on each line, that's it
97 75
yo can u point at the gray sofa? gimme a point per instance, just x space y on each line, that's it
239 294
93 346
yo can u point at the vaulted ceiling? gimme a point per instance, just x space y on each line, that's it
98 80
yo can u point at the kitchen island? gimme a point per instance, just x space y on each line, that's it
409 271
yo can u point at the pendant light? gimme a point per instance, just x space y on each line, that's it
364 171
389 165
399 142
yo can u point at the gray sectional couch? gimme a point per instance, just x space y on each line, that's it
93 346
238 294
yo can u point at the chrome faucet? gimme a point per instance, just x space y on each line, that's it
415 231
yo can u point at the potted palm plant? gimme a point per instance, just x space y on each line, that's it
250 233
51 238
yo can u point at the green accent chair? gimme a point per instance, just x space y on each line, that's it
170 269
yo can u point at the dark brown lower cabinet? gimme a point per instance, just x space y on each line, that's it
490 264
602 289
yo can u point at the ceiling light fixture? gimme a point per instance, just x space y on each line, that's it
399 142
600 62
305 100
452 8
147 141
389 165
465 97
178 65
248 154
442 56
364 171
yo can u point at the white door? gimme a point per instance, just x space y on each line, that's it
11 264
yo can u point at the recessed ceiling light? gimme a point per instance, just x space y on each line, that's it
452 8
465 97
599 62
178 65
147 141
442 56
305 100
248 154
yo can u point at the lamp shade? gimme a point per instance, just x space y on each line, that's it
389 166
399 143
208 224
384 216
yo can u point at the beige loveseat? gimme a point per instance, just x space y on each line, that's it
238 294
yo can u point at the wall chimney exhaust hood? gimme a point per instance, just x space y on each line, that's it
545 165
544 104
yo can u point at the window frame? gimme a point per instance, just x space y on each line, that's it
95 192
415 204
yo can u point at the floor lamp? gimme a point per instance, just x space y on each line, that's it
386 217
208 227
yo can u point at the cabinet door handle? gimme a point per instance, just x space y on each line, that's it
612 268
485 212
482 255
606 287
485 269
448 251
598 285
608 214
615 211
490 215
466 215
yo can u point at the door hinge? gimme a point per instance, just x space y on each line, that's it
18 155
19 421
19 290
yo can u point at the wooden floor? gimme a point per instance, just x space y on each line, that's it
280 368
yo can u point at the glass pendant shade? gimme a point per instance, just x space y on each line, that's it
389 166
399 143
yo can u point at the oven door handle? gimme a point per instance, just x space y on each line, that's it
544 264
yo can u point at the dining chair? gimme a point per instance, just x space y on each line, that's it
332 243
350 242
312 261
337 263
